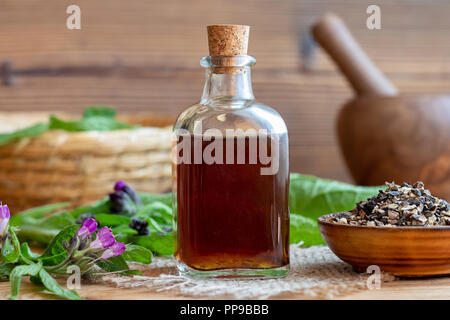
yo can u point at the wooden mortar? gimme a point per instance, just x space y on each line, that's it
385 136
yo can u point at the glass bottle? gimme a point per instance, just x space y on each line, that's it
230 172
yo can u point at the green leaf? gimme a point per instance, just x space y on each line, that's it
18 272
26 252
11 250
43 230
149 198
123 230
137 254
154 226
132 273
29 132
96 118
157 214
114 264
51 285
35 234
156 208
103 124
157 243
91 123
34 215
99 111
56 123
101 206
313 197
57 221
55 252
5 270
304 229
112 220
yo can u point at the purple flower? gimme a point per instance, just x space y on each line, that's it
105 239
141 226
89 226
119 185
124 200
4 220
113 251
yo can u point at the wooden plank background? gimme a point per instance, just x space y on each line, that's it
144 55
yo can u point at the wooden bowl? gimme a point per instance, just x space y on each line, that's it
402 251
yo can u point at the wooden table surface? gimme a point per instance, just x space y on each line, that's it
432 288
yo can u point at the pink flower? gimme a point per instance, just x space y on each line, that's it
4 220
89 226
113 251
105 239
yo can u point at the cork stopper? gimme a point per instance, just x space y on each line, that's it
228 40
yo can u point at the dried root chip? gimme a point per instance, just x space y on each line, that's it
400 206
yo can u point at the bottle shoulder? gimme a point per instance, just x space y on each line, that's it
253 115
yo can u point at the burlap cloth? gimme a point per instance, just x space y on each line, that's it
315 273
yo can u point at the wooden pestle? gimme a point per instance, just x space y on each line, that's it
366 79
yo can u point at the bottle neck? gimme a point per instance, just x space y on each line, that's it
228 81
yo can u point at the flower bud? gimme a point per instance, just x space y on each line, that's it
4 220
83 217
124 200
119 185
141 226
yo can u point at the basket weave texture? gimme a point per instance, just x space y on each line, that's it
81 167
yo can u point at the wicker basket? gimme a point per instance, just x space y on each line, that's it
81 167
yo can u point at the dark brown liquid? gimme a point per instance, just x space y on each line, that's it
231 216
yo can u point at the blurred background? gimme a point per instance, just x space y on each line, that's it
144 55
